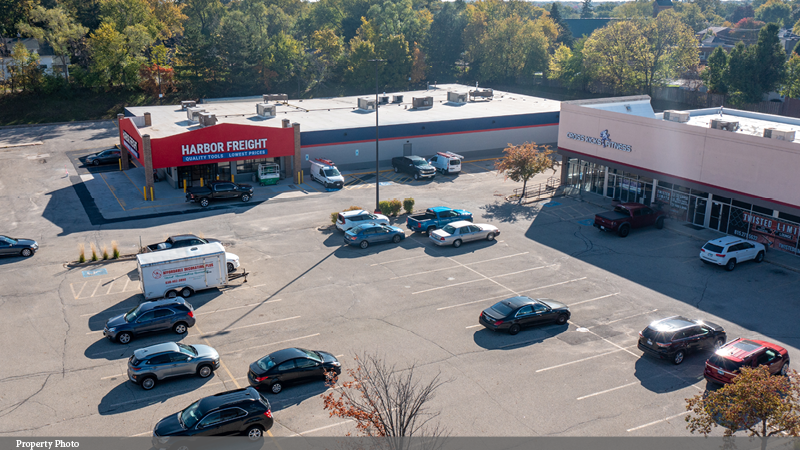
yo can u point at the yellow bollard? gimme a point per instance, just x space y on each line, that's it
144 191
201 182
120 164
232 179
217 177
184 185
152 197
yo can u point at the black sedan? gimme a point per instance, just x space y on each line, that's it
17 246
105 157
291 365
512 314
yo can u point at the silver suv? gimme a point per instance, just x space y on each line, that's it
157 362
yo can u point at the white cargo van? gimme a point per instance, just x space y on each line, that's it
182 271
325 172
446 162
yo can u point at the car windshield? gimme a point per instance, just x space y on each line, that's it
360 229
713 248
449 229
420 162
502 308
332 173
724 363
188 349
265 363
310 354
190 416
131 315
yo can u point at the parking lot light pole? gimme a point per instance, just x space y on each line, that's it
377 159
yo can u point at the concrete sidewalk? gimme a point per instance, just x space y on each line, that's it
781 259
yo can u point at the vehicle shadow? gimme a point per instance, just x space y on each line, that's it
448 251
113 351
293 395
661 376
127 396
499 340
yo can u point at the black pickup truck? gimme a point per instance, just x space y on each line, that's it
413 165
217 190
181 240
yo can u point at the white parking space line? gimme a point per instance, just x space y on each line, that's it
455 267
608 390
482 279
593 299
110 286
108 310
81 289
658 421
584 359
339 356
142 434
624 318
94 332
321 428
125 288
425 272
72 287
471 303
271 343
115 376
551 285
96 288
236 307
522 271
249 326
450 285
473 326
167 394
398 260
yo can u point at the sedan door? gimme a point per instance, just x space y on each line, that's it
287 371
541 314
146 322
525 316
210 425
6 248
180 365
308 369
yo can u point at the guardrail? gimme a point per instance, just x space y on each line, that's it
549 187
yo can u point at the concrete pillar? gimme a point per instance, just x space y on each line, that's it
296 160
605 181
122 150
147 154
564 170
287 162
285 123
147 120
653 194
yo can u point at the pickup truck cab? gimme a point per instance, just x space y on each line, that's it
628 215
413 165
434 218
219 190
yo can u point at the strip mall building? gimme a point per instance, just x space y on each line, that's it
728 170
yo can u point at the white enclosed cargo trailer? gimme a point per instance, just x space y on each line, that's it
182 271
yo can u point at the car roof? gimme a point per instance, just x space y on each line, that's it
521 300
415 157
143 353
162 303
726 240
225 398
347 214
671 324
286 354
740 348
460 223
439 208
181 237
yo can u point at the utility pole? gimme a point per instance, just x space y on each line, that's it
377 152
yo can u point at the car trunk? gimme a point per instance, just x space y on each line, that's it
651 338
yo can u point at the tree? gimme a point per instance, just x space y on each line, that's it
714 74
523 162
564 33
445 43
384 401
775 11
691 15
567 66
762 404
770 59
791 85
631 10
55 27
739 78
586 9
741 12
13 12
24 68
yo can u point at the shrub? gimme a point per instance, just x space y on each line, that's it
81 253
115 249
353 208
94 251
395 206
408 205
385 207
334 216
105 253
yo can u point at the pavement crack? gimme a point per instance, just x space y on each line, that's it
419 336
16 406
583 423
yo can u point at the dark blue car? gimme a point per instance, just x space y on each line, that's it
372 233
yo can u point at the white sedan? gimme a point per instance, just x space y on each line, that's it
456 233
232 262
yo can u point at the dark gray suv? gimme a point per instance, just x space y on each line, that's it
157 362
161 315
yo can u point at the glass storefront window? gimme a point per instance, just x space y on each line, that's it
224 170
743 205
249 165
760 210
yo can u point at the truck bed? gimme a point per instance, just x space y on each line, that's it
612 215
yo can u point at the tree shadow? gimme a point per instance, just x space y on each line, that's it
510 212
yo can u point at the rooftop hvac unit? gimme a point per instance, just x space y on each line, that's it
676 116
186 104
397 99
275 98
193 114
422 102
781 135
265 110
208 119
481 93
456 97
383 99
366 103
724 125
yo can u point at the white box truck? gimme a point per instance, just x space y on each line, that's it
182 271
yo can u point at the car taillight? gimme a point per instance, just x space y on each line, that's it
419 225
341 219
136 369
191 314
663 345
499 322
260 379
268 413
641 335
441 238
721 256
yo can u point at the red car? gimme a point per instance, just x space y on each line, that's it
723 366
629 215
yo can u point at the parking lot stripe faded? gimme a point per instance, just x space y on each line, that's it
321 428
450 285
110 286
583 359
96 288
551 285
593 299
487 278
81 289
221 362
236 307
608 390
474 326
248 326
624 318
658 421
471 303
455 267
272 343
398 260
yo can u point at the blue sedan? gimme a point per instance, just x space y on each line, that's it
372 233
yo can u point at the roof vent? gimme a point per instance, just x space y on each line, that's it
265 110
676 116
366 103
186 104
724 125
275 98
421 102
208 119
456 97
383 100
481 93
397 99
781 135
193 114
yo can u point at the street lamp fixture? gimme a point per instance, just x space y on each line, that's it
377 159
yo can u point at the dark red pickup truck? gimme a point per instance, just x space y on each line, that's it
629 215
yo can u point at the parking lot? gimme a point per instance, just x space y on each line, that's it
410 303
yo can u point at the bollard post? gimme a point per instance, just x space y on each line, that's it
144 191
201 182
217 177
232 179
120 164
152 198
184 185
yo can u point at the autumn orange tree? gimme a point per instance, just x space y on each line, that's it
523 162
757 402
386 402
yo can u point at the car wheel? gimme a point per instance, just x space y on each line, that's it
148 383
562 319
624 230
490 237
96 162
396 170
255 433
396 239
245 197
179 328
660 223
785 369
457 243
514 329
231 268
186 292
172 294
26 252
731 264
446 172
759 257
416 176
430 230
205 371
719 343
203 202
364 244
678 357
124 338
276 387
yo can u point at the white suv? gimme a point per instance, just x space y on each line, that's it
446 162
729 250
352 219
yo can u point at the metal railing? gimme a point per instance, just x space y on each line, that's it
549 187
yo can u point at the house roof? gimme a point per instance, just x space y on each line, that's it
7 46
581 27
664 3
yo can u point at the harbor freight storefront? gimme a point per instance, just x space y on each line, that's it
675 167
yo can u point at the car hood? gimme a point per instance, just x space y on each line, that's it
327 358
425 166
553 304
204 351
116 321
168 426
336 178
230 256
396 229
382 217
29 242
486 227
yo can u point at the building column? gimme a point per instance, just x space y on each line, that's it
296 162
707 217
148 164
564 170
123 152
653 194
605 181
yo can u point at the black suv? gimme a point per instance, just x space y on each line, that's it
413 165
161 315
672 338
241 411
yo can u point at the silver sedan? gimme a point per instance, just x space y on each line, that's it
157 362
456 233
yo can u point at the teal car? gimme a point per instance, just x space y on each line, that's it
373 233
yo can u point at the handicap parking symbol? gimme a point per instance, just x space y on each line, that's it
550 204
94 273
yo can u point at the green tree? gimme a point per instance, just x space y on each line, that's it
523 162
13 12
567 66
445 42
564 33
791 85
586 9
112 61
714 74
55 27
691 15
770 59
24 68
709 6
197 56
638 9
739 78
775 11
122 14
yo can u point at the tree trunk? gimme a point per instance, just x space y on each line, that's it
524 185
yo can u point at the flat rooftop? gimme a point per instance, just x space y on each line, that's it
322 114
750 123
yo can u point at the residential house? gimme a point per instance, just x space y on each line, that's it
48 61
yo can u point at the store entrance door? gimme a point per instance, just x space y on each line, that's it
699 211
718 220
193 174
